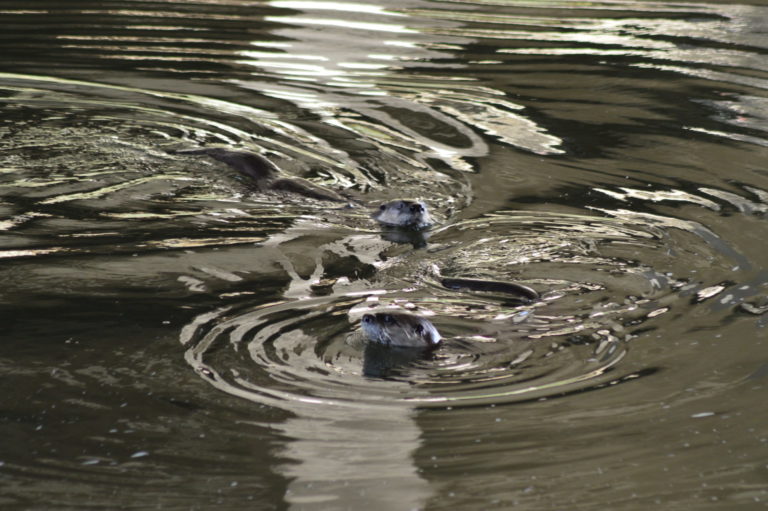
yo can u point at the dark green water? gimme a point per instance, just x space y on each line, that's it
174 340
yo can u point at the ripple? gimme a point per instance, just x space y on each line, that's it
642 216
86 161
310 351
603 281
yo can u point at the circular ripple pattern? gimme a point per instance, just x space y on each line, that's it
604 280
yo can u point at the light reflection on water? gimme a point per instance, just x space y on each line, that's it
608 154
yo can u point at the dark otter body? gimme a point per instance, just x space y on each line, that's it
519 291
264 175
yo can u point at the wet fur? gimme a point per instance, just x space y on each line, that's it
263 174
518 291
406 330
399 329
404 213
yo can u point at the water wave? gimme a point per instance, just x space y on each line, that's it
603 281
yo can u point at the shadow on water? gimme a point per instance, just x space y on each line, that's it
168 329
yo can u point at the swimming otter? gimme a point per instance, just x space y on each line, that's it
404 213
406 330
266 176
399 329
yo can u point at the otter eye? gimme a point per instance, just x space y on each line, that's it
419 329
383 207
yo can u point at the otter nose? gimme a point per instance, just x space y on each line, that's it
417 208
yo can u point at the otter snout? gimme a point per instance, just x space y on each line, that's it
404 213
398 329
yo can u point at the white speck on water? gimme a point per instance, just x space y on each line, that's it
702 414
139 454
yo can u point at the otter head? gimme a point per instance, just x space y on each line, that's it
397 329
404 213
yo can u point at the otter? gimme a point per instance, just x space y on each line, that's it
404 213
406 330
264 175
519 292
399 329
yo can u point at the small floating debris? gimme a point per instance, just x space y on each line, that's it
709 292
754 308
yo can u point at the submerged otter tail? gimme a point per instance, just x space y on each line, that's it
519 291
264 173
307 189
251 164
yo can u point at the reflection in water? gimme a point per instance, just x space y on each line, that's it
607 154
353 459
346 84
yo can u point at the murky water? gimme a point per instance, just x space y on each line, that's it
174 339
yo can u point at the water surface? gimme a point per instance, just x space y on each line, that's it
174 339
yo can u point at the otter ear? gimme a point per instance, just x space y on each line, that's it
419 329
383 207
